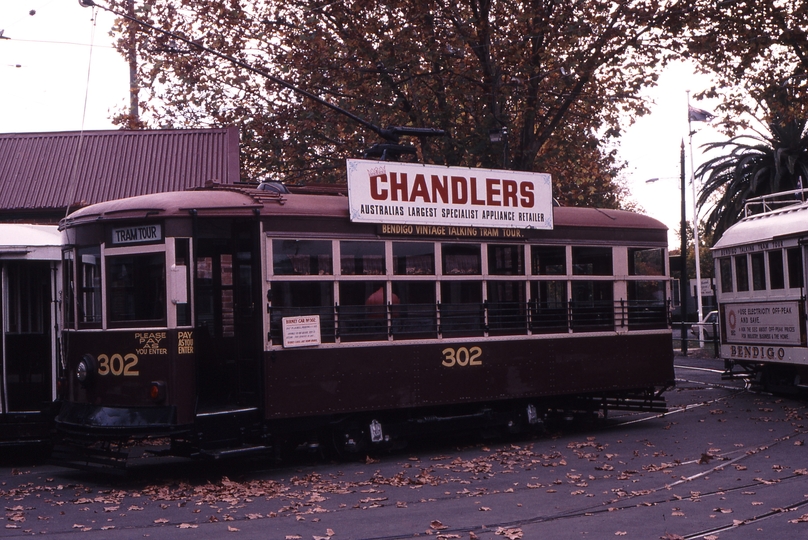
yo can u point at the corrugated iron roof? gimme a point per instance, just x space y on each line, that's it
41 171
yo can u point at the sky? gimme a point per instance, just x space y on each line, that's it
52 79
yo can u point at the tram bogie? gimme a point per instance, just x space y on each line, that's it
236 321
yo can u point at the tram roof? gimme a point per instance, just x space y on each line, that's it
229 201
22 240
781 223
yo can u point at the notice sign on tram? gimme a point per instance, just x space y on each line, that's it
776 323
301 331
415 194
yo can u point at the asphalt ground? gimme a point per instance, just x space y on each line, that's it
725 462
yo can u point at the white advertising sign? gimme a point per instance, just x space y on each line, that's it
301 331
776 323
411 193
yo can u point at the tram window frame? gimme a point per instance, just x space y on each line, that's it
725 272
506 302
362 310
26 313
314 261
413 310
158 253
180 286
741 273
795 269
506 259
461 259
777 278
69 281
646 261
461 308
757 261
90 295
286 295
592 305
548 260
362 258
549 306
592 261
407 261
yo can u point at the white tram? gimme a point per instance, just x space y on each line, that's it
29 276
759 264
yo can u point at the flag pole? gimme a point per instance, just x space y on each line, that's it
700 314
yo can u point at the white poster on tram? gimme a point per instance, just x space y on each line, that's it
416 194
776 323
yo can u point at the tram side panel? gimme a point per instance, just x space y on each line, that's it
318 381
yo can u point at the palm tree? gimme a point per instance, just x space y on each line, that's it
753 166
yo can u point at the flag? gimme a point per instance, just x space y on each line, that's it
698 115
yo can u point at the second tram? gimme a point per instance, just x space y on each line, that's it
234 319
759 263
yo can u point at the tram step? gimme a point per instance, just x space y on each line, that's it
90 459
240 451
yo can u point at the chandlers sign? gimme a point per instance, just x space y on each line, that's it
390 192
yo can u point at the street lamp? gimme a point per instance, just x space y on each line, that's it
683 248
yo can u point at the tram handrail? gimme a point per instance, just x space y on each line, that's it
770 202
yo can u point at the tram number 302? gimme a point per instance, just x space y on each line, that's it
118 365
462 356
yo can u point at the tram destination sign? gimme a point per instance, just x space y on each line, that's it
137 234
775 323
414 194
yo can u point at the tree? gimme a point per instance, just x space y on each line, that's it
764 165
757 52
539 68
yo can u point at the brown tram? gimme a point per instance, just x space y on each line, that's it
236 319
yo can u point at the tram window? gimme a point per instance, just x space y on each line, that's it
27 287
646 262
592 305
646 304
302 257
413 258
180 273
362 258
758 272
69 287
506 260
293 298
794 257
725 266
776 270
548 306
742 273
506 307
461 259
591 261
548 260
136 287
413 310
89 297
362 311
461 308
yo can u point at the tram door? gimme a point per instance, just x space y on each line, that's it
27 338
228 317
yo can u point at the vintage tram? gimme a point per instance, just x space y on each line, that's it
236 319
29 281
759 263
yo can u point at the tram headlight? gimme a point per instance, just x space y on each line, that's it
86 369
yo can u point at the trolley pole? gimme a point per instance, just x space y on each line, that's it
683 252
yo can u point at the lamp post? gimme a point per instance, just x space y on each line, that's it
683 246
